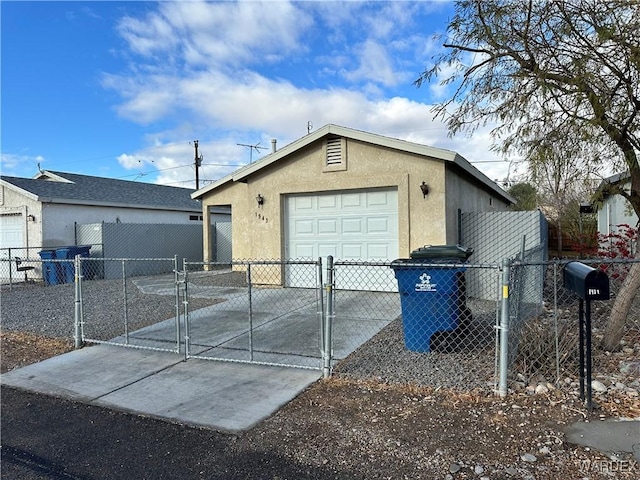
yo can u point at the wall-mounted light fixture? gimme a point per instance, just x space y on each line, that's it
31 218
260 200
425 189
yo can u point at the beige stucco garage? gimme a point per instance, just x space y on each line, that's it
350 194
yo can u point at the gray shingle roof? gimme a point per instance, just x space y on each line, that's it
89 190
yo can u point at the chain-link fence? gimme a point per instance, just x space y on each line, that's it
436 331
424 323
544 337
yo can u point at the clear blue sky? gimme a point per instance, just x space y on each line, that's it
121 89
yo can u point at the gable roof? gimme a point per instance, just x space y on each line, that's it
448 156
72 188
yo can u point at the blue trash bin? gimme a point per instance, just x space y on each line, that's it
68 269
432 294
50 270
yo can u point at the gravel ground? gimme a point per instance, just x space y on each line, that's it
49 311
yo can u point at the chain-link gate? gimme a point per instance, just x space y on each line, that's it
260 312
134 303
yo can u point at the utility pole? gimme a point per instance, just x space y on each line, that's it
197 162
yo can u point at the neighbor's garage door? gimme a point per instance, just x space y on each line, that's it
11 228
349 225
11 236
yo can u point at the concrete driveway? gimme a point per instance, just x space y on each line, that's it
222 394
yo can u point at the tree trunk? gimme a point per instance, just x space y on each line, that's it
621 307
559 245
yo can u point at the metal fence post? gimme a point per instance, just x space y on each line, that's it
185 302
328 321
10 273
555 320
124 296
176 280
250 312
504 329
320 294
78 311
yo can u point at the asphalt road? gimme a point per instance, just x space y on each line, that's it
51 438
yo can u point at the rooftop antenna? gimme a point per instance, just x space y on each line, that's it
251 148
40 169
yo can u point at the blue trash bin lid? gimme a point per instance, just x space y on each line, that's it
457 253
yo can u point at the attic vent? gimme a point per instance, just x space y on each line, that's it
334 151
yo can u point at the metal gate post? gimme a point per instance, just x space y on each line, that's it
124 296
176 279
250 313
78 310
321 313
504 329
328 321
185 303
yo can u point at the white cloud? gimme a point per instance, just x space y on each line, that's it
203 33
225 92
17 165
375 65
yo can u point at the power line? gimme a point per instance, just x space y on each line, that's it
153 171
142 174
115 155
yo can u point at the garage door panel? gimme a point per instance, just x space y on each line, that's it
378 225
351 200
326 249
377 199
352 251
303 203
327 202
379 252
352 225
304 227
304 251
327 226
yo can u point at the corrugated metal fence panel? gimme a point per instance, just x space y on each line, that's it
140 240
90 234
498 235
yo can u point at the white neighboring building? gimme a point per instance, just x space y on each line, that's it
615 209
43 211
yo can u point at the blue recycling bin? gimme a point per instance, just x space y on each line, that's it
67 269
432 293
50 270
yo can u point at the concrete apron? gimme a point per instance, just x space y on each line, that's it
608 436
219 395
215 394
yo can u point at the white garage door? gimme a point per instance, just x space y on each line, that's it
11 236
349 225
11 230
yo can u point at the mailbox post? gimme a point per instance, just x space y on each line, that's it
589 284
